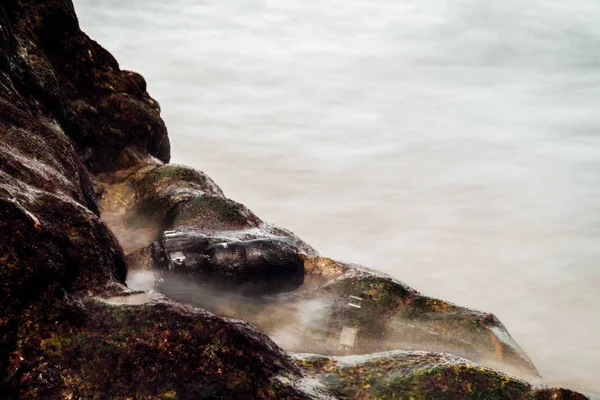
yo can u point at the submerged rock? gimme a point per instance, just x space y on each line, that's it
395 316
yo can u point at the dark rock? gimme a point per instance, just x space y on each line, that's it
139 345
255 266
63 98
61 73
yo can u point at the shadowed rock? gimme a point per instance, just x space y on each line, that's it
64 99
257 266
54 70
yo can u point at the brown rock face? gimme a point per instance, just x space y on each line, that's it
142 346
65 109
51 68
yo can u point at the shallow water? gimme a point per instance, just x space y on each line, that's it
454 145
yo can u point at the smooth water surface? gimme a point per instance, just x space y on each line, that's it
452 144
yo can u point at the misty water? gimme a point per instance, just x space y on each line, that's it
453 145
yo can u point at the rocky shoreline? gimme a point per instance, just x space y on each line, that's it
84 168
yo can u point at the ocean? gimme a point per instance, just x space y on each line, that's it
453 145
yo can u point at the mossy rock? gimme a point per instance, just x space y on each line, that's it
417 375
387 293
401 318
213 213
167 197
139 345
149 182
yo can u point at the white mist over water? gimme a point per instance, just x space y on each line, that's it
454 145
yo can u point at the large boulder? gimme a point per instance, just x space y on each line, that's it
386 314
140 345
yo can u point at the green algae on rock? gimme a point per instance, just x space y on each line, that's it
417 375
409 320
112 348
380 314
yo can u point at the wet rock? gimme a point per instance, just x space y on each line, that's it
347 309
416 375
140 345
59 71
69 328
151 198
50 233
253 266
395 316
391 315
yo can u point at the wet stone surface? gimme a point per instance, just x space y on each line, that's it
256 266
417 375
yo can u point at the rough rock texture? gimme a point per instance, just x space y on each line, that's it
58 74
66 109
416 375
143 346
398 317
70 328
142 202
146 200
